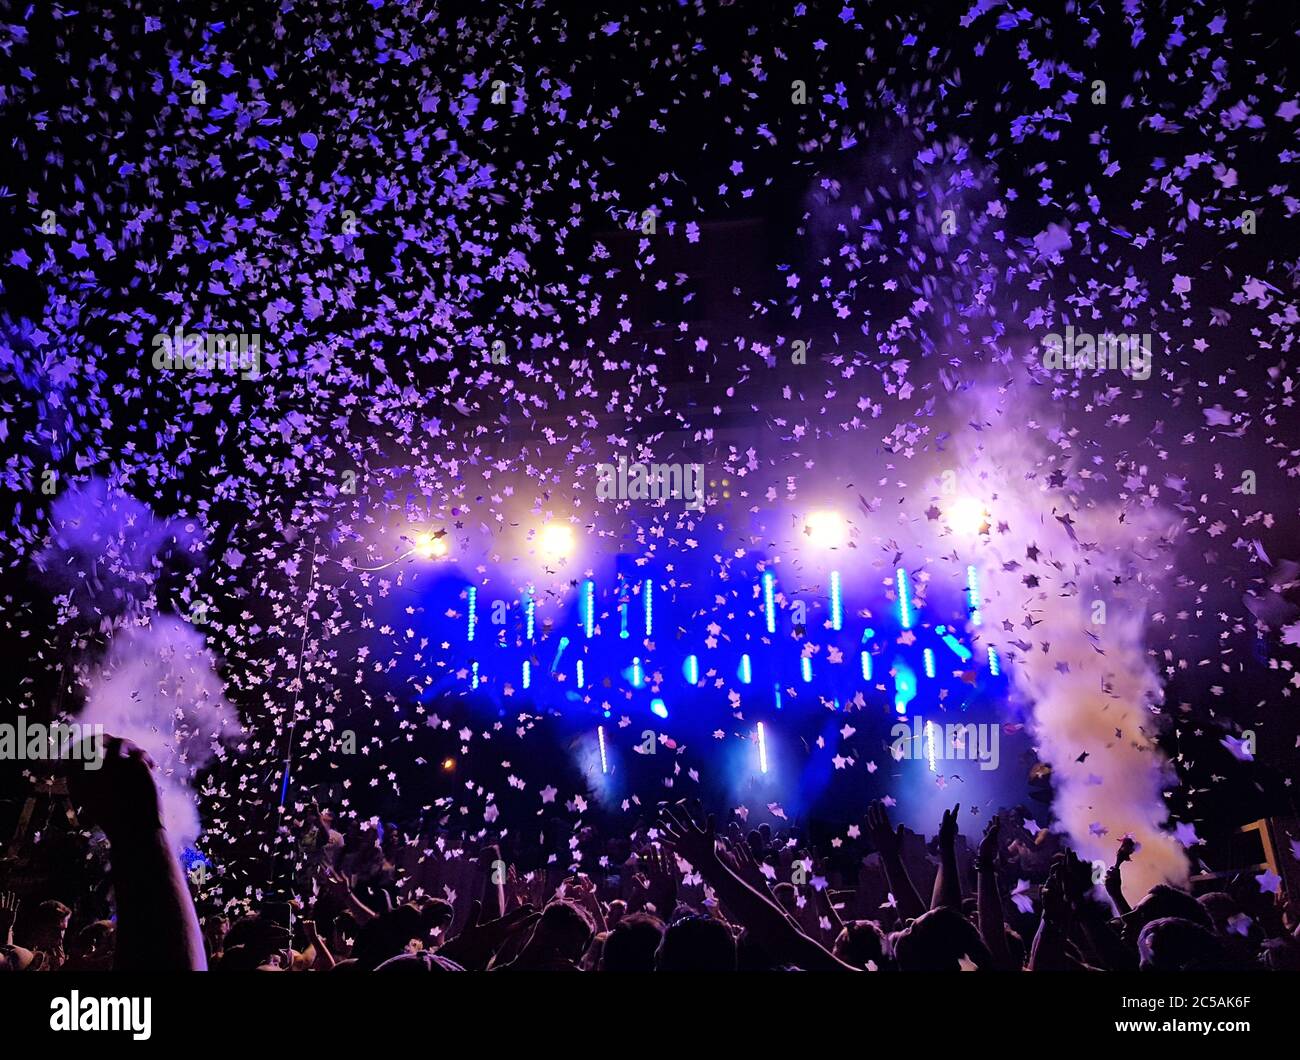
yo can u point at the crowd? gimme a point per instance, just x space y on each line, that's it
677 893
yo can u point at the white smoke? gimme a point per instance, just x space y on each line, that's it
158 686
1082 661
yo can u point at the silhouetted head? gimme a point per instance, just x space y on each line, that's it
632 944
697 944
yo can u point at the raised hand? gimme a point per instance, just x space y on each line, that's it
121 796
695 844
883 836
948 828
988 849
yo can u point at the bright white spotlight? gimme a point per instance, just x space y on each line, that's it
966 516
430 547
556 540
826 529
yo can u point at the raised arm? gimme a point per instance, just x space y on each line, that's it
947 882
989 899
888 844
765 920
157 928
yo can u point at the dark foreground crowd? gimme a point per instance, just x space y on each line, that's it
676 894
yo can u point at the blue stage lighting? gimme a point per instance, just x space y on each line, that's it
473 612
658 709
769 600
647 592
746 670
904 599
589 608
837 613
691 669
928 655
995 664
904 686
805 667
973 595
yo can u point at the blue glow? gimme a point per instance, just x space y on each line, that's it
805 667
866 666
473 674
904 599
973 594
622 620
638 679
582 677
746 670
530 606
648 593
904 686
769 600
528 673
555 663
929 663
776 694
691 669
473 612
762 748
995 664
658 709
962 652
589 608
837 613
929 743
604 761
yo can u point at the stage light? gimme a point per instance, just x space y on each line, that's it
805 667
658 709
929 663
473 670
448 764
589 608
530 609
527 673
427 546
746 670
995 664
776 694
637 678
691 669
904 686
604 761
973 595
866 666
556 540
581 675
826 529
473 612
647 592
929 743
555 663
904 599
837 610
769 600
762 748
966 516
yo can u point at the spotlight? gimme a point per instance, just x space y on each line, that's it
448 764
966 516
826 529
556 540
429 546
